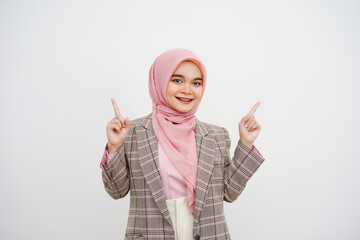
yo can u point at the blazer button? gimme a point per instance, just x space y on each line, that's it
197 237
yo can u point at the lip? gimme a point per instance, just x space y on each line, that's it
184 101
183 97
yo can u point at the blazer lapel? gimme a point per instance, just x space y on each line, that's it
149 161
205 144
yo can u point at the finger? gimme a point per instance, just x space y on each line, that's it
248 121
247 125
253 109
245 119
121 118
115 106
118 117
251 124
114 127
255 126
117 121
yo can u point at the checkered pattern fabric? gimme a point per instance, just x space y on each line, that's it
220 178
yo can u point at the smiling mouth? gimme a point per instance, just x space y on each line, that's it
185 99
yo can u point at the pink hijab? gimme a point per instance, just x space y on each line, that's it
177 140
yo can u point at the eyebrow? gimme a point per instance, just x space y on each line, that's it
179 75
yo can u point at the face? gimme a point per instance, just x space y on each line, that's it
185 87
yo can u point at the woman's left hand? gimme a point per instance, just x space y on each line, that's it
249 128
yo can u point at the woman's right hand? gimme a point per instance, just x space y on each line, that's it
117 129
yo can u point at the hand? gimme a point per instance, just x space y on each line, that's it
117 129
249 128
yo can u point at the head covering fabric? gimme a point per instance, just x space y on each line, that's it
174 130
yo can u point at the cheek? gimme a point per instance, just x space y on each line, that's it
170 90
198 92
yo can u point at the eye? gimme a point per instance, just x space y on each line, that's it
197 83
176 80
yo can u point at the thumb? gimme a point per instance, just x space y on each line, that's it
127 124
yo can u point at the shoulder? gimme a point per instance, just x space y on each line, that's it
220 134
136 124
201 126
141 121
216 130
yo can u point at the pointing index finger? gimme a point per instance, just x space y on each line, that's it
115 106
253 109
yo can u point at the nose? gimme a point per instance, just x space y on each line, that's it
186 88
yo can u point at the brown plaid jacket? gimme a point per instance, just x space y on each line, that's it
220 178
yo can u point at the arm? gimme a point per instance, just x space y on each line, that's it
239 169
115 174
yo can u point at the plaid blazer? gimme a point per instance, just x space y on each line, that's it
220 178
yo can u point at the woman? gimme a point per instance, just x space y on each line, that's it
178 169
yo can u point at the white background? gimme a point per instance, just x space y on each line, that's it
61 61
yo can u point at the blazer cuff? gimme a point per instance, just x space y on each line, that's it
110 161
256 151
250 159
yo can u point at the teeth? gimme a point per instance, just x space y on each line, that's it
185 100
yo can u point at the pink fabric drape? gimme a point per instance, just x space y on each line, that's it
177 140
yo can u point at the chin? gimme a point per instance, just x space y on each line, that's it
180 108
183 110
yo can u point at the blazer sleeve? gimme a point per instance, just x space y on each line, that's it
115 174
239 169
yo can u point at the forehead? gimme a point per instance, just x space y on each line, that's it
188 67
